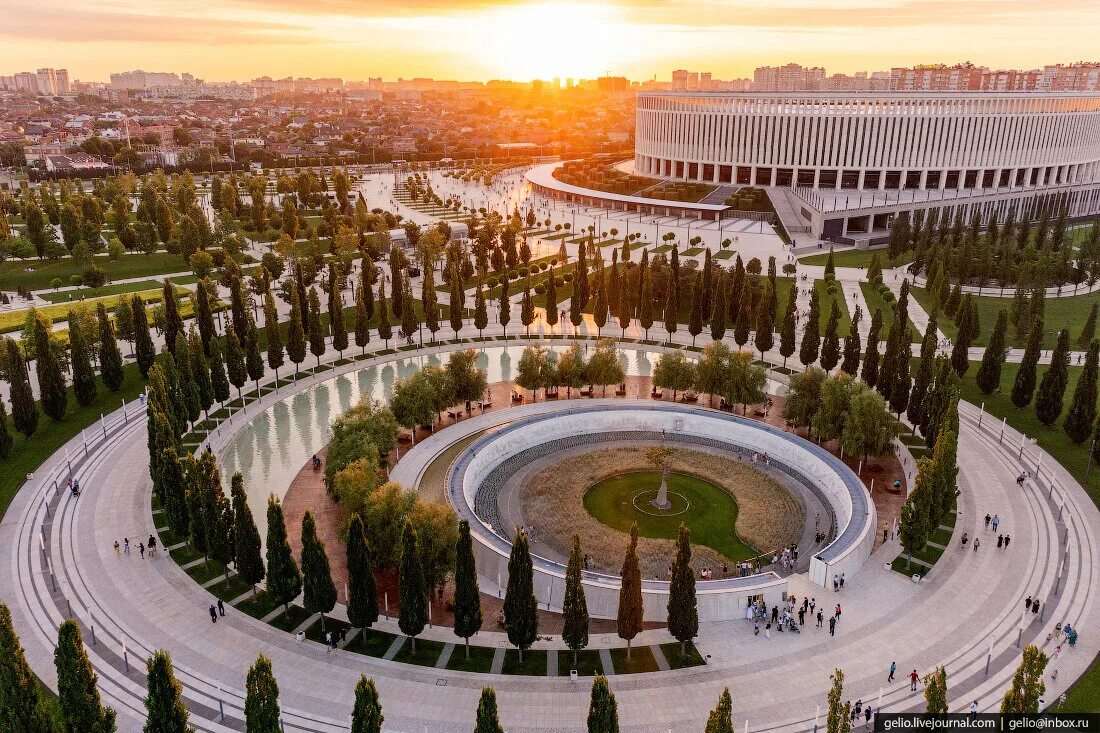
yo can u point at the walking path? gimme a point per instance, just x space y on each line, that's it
967 602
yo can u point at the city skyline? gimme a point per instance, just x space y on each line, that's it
243 39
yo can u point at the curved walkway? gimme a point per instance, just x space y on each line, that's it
967 602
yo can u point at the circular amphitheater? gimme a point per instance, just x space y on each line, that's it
965 615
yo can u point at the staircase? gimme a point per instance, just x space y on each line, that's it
786 205
719 195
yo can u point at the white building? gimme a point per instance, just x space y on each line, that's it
841 165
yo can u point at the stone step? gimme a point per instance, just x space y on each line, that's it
605 660
659 657
498 661
394 648
445 656
552 663
274 614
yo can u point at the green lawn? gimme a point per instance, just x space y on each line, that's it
533 664
857 258
481 659
726 254
1053 439
690 658
427 652
641 660
290 621
588 663
371 643
28 455
68 296
12 273
708 510
782 288
14 320
875 302
1069 312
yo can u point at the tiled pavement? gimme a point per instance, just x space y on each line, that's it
968 600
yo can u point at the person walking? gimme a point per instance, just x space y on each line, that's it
838 612
893 668
1008 538
221 607
213 614
913 678
996 522
1035 608
988 519
126 545
832 626
152 545
977 544
802 617
141 549
1027 604
842 581
974 708
867 716
1000 541
820 616
118 551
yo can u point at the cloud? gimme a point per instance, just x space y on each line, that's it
47 22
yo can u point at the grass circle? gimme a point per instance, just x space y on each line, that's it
708 511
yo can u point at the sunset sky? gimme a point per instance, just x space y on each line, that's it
354 39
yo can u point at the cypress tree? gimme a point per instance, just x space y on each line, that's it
1082 411
551 299
869 373
366 714
737 284
261 702
284 581
295 332
811 341
989 373
20 708
234 359
645 305
77 695
487 719
520 605
110 358
600 307
960 359
504 309
744 322
385 330
316 330
362 320
830 267
787 334
320 592
575 606
1052 389
164 700
173 321
246 538
219 383
481 313
603 713
899 391
683 613
718 309
362 595
51 381
935 692
838 718
237 308
695 312
188 390
84 383
830 344
890 357
458 298
217 514
672 306
467 597
765 320
852 346
1024 386
6 441
143 340
273 334
527 307
336 316
630 593
721 717
409 320
253 361
173 491
204 314
1088 331
923 379
411 587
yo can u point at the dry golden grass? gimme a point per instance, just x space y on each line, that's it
768 516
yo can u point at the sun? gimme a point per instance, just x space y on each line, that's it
544 40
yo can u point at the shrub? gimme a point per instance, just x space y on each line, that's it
540 289
568 277
543 266
491 282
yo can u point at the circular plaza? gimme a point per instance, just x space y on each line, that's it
964 614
